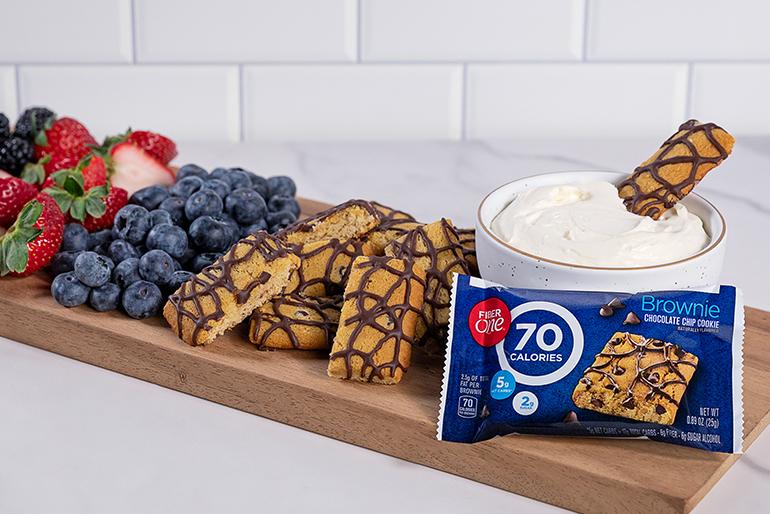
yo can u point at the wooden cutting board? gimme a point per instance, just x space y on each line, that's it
582 474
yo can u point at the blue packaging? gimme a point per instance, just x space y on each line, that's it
665 365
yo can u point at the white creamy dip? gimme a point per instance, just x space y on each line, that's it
588 224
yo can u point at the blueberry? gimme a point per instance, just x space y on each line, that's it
156 266
186 186
132 223
235 229
126 272
149 197
169 238
280 220
219 186
281 185
121 250
203 203
175 207
188 254
159 216
210 235
283 203
177 264
259 184
254 228
75 237
67 290
63 262
93 269
239 178
202 260
191 170
246 206
177 279
221 174
97 238
105 298
142 300
102 249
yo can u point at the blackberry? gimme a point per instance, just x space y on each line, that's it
31 121
5 127
15 152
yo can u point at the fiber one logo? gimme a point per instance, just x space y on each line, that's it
489 321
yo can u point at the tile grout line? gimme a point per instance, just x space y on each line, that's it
133 31
359 23
17 86
584 49
241 127
689 91
464 104
393 62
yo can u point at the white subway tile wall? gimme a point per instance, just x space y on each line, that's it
542 100
352 102
389 69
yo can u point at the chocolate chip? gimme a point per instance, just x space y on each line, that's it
615 303
678 352
597 402
628 402
660 409
618 370
606 311
653 378
658 344
631 319
301 314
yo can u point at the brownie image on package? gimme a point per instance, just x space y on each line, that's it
638 378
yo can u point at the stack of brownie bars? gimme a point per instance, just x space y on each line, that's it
360 280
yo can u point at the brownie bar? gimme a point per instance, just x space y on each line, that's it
374 340
637 378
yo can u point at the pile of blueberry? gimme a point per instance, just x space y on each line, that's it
165 235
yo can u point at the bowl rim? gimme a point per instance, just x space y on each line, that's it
714 241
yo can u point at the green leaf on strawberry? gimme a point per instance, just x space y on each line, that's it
14 254
34 172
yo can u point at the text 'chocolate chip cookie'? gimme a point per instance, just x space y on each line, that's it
374 340
676 168
637 378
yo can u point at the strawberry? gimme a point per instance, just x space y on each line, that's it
113 202
133 169
92 167
160 147
14 193
33 239
66 141
69 192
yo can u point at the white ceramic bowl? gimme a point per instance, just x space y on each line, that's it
503 263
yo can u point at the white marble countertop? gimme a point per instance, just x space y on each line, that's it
75 438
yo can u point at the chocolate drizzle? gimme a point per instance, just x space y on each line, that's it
335 270
667 193
286 313
418 247
649 377
399 222
188 300
309 224
467 239
377 313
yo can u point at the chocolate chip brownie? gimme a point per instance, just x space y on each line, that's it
638 378
295 322
223 294
383 299
324 265
436 249
349 220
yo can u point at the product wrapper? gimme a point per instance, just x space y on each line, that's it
666 365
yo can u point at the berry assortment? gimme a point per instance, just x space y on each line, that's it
116 228
164 235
